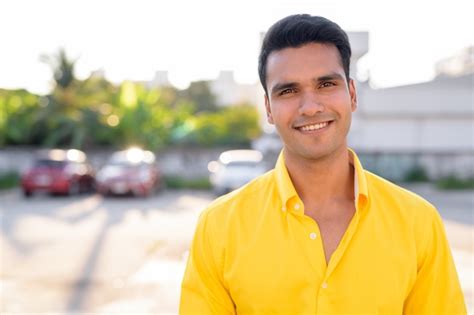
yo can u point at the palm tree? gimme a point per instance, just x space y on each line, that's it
62 67
61 118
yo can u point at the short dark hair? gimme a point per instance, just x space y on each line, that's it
298 30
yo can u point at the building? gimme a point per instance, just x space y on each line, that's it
160 79
229 92
428 125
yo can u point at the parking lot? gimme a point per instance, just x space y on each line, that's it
126 255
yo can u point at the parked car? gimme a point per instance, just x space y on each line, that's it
59 172
131 171
234 169
268 143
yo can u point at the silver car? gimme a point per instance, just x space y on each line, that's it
234 169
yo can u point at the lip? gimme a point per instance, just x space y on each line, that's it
298 128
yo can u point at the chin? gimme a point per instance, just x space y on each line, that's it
316 153
304 153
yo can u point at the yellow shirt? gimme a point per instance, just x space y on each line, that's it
256 252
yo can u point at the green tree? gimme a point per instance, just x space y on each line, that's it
147 118
18 109
233 125
62 66
85 113
77 110
200 94
60 120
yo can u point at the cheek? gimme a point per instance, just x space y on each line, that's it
342 103
283 111
340 96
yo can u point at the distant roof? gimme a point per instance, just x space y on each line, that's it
441 97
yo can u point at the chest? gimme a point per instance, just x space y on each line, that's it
284 271
333 227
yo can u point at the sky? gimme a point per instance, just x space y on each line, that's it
194 40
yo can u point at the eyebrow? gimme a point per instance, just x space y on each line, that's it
288 85
329 77
282 86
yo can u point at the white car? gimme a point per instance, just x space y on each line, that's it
234 169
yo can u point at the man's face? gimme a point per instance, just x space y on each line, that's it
309 100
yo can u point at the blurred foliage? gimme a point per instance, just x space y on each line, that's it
62 66
94 112
453 182
200 94
235 125
416 174
176 182
9 180
18 112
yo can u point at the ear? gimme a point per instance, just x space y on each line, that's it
353 94
269 110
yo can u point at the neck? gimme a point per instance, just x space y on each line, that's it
318 181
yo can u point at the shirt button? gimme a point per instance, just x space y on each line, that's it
283 208
324 285
313 236
297 206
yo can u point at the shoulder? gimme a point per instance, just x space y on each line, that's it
243 201
407 212
400 201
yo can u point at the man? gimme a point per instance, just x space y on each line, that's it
318 234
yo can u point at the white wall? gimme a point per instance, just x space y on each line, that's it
413 135
436 117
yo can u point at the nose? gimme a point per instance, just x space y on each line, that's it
310 104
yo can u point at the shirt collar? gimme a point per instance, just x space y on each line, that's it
360 181
287 191
284 184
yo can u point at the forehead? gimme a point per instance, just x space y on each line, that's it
308 61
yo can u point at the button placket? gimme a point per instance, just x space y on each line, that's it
314 246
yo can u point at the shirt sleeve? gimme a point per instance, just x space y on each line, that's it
202 290
436 289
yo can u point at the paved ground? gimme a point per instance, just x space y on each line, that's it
124 255
88 253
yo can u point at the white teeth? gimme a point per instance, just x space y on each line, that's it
314 127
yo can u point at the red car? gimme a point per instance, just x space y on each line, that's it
59 172
131 171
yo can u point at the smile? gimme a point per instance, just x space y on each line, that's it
314 126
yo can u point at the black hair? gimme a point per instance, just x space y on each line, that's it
298 30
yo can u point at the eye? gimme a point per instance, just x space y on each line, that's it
327 84
287 91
